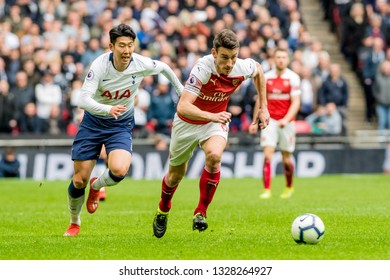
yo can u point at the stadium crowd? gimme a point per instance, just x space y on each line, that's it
363 30
46 48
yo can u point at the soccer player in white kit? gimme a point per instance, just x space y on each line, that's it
107 97
201 119
283 95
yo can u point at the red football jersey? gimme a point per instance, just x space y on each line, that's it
279 91
214 90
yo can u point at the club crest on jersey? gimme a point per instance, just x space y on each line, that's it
235 82
89 75
286 83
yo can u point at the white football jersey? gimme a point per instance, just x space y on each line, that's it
105 87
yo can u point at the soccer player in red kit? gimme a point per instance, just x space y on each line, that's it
201 119
283 94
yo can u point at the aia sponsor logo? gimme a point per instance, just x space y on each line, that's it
116 94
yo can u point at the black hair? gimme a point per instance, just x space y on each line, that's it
122 30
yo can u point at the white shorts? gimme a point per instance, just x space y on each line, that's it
186 137
282 137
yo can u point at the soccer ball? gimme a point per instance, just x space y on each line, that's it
308 229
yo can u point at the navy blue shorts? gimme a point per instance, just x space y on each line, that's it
95 131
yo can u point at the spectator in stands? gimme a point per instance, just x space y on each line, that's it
311 53
374 57
9 164
353 30
162 107
374 27
33 76
382 8
321 72
23 91
3 72
308 95
54 36
14 18
69 69
325 120
60 31
13 63
236 106
295 28
59 78
75 27
31 37
8 40
28 120
92 52
48 95
335 90
8 121
382 95
141 107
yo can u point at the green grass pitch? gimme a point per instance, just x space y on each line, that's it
354 209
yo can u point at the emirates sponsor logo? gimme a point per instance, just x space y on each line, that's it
278 96
217 97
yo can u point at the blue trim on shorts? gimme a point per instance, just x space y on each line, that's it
95 131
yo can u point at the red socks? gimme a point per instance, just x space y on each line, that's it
166 196
267 175
289 172
207 185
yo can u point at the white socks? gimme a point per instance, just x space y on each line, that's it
104 180
74 206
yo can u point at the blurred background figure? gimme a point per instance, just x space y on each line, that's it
326 120
9 164
382 95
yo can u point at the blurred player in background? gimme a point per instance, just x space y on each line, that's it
107 97
283 94
201 119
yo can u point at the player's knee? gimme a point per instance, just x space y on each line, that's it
119 172
213 159
80 182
